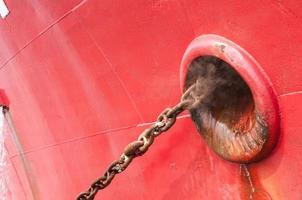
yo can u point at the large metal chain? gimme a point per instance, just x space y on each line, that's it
137 148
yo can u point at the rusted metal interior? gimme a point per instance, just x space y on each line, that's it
225 113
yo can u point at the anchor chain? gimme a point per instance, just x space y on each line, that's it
138 147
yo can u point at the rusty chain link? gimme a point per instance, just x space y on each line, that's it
137 148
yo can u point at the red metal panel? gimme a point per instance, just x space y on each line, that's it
81 87
67 81
27 21
280 175
269 30
177 167
139 40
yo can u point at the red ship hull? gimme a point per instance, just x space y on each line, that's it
84 78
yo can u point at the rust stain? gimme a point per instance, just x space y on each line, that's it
251 188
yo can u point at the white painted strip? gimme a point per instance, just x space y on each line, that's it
3 159
3 9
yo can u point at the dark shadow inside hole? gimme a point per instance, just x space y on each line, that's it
224 111
224 93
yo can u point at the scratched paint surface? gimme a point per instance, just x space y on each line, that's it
83 78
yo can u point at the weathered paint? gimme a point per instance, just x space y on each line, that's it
83 78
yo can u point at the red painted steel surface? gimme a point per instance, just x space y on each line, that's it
83 78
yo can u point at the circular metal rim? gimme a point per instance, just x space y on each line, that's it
265 97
